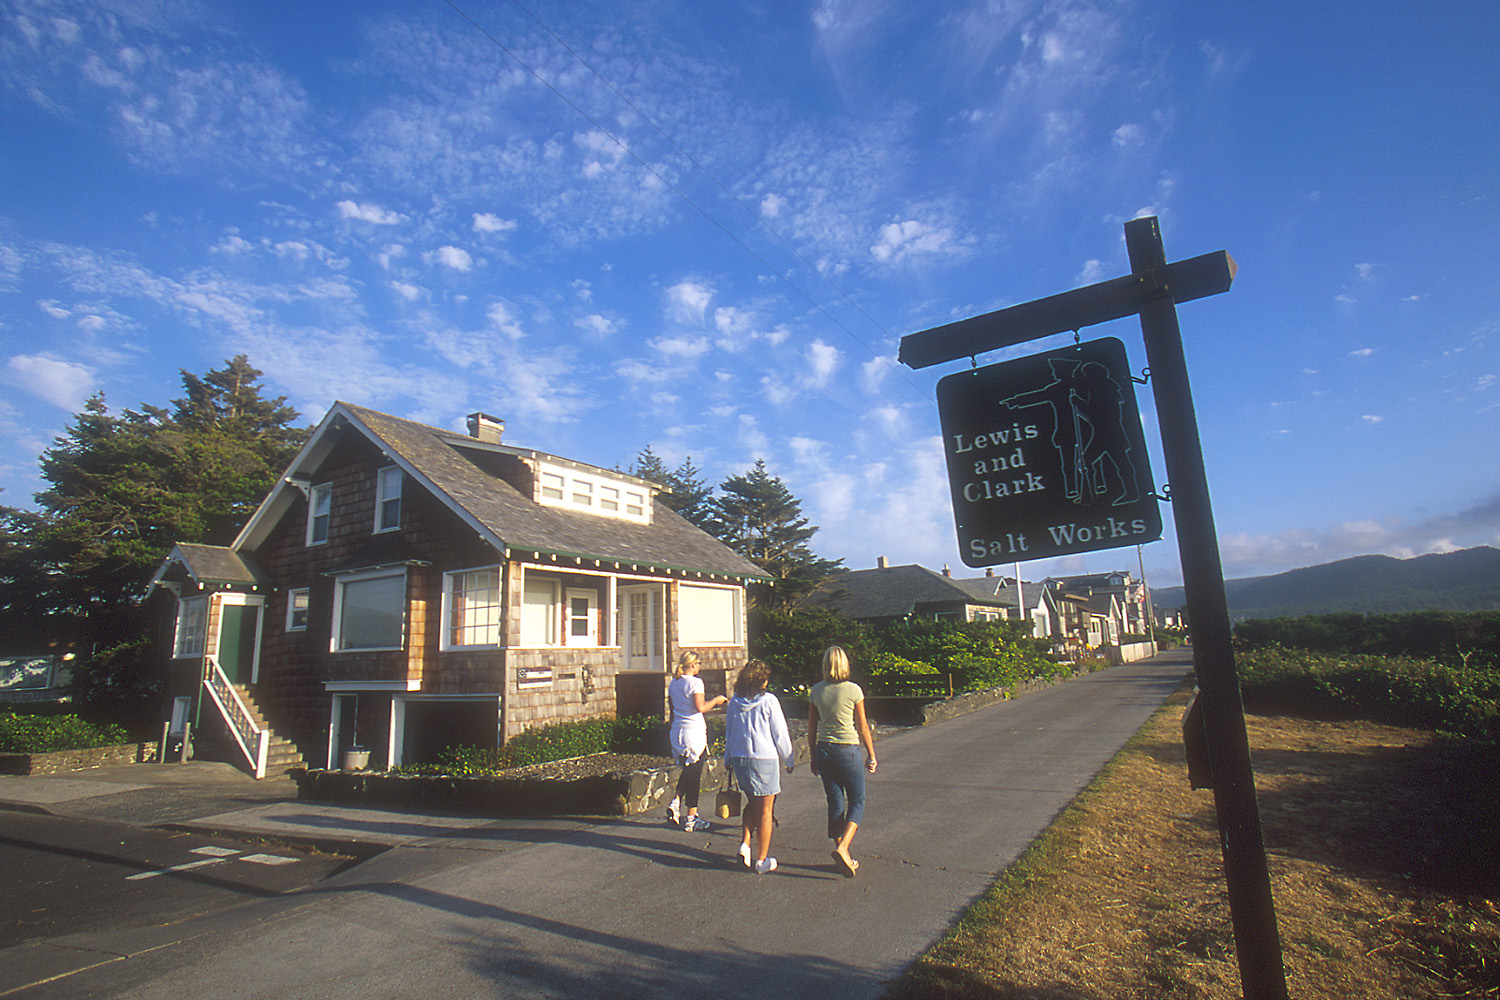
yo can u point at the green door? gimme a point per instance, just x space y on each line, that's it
237 628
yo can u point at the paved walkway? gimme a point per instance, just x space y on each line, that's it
473 907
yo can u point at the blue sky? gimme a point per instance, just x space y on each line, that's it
705 228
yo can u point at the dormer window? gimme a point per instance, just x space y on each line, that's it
388 499
591 491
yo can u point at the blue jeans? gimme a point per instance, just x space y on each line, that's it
842 767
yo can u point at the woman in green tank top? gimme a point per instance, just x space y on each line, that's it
836 729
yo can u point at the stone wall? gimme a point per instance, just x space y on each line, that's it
63 761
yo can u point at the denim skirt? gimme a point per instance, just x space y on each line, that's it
757 775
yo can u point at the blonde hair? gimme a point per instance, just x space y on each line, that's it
685 662
835 664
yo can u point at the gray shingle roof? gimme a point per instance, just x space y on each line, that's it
446 461
896 591
218 564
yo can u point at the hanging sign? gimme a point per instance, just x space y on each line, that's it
1046 456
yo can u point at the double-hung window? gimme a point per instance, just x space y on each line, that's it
296 609
388 499
471 608
319 505
192 622
369 610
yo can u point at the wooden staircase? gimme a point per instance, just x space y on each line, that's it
282 754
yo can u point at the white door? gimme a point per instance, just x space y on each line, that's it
642 627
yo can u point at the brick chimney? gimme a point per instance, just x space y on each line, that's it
483 427
946 570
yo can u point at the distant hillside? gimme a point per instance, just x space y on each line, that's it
1467 580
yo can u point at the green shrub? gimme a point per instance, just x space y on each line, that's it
43 734
1399 690
557 741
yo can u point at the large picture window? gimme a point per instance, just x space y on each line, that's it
710 616
192 622
471 608
369 610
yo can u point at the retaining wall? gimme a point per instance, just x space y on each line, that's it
62 761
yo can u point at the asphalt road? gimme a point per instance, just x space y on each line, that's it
630 907
70 876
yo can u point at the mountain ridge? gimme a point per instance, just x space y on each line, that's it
1463 580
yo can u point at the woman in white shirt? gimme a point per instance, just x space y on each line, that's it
756 741
689 736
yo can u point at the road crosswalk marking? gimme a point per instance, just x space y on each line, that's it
215 856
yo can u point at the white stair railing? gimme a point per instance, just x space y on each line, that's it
253 740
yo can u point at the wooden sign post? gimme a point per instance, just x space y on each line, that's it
1152 290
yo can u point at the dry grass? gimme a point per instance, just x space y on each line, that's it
1383 848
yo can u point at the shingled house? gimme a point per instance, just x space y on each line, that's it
407 588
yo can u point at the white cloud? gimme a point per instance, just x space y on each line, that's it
822 361
684 347
503 319
596 324
406 290
771 205
65 384
1371 418
1363 352
687 301
900 241
485 222
366 212
452 257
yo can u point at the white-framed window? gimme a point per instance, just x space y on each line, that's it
471 607
709 616
388 499
192 624
581 622
319 506
595 493
296 609
369 610
539 612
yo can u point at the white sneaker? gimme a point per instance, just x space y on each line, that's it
765 867
745 856
674 812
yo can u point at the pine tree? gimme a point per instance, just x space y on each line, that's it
756 515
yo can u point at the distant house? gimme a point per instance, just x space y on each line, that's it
408 588
894 592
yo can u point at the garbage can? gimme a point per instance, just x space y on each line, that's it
356 758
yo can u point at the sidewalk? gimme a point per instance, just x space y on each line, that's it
625 907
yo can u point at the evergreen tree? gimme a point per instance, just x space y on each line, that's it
123 489
757 516
683 488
